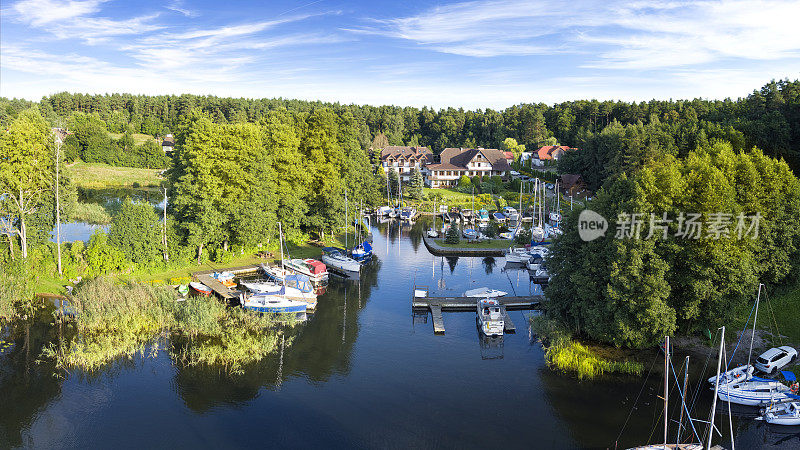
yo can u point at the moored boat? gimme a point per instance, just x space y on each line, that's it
499 217
314 269
755 392
737 374
408 213
469 233
491 317
226 278
484 292
784 413
274 305
362 252
200 288
483 216
336 259
518 255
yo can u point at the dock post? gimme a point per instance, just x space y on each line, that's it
438 320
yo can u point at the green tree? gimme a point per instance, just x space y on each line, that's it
416 184
511 145
464 182
26 170
452 236
136 231
102 257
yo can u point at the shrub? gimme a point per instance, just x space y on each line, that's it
452 236
523 237
464 182
103 257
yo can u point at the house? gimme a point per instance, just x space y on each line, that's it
572 183
456 162
525 158
550 153
509 157
60 134
168 144
405 159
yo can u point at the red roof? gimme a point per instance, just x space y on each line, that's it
509 155
546 152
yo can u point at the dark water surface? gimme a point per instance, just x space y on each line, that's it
363 372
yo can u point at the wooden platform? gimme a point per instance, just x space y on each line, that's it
438 305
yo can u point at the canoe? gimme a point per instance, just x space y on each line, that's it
200 288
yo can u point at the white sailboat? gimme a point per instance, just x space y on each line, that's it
744 372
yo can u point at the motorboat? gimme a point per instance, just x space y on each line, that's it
466 215
484 292
392 213
337 259
784 413
499 217
508 234
555 217
527 217
540 250
383 211
483 216
537 234
540 275
518 255
272 304
491 317
408 213
200 288
314 269
737 374
511 213
362 252
469 233
432 233
534 262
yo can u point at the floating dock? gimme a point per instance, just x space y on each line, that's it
437 305
220 289
438 250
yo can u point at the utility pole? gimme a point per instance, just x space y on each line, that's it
166 250
58 200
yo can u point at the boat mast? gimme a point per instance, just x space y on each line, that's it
683 401
345 219
666 387
283 270
753 336
716 390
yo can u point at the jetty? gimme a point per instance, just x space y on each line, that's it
222 291
421 301
439 250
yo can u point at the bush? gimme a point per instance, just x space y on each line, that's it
523 237
492 230
452 236
464 182
103 257
135 230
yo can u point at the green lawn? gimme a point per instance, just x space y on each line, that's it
99 176
786 308
138 139
491 243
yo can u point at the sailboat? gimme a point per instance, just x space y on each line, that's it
665 414
537 231
432 233
744 372
363 251
275 302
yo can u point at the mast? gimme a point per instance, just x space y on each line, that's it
666 387
716 390
683 401
283 270
753 336
58 203
345 220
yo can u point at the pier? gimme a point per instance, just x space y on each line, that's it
438 250
437 305
220 289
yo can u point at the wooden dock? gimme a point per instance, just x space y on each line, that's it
437 305
222 291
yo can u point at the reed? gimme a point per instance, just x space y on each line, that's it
566 354
120 321
93 213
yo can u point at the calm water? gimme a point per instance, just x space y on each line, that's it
364 372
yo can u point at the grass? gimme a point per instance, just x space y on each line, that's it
99 176
564 353
138 138
786 307
93 213
491 243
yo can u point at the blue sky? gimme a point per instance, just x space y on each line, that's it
473 54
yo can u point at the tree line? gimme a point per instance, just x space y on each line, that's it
768 118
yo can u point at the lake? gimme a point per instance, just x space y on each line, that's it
364 372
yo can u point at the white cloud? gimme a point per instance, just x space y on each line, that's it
77 20
622 34
177 6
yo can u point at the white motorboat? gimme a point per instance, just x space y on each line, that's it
336 259
756 392
540 275
432 233
537 234
408 213
275 273
738 374
491 317
484 292
511 213
534 262
518 255
383 211
784 413
469 233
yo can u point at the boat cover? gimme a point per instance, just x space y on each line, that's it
788 375
316 267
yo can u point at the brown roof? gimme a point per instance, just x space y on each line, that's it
458 158
398 151
569 180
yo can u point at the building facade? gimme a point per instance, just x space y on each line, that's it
457 162
405 159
